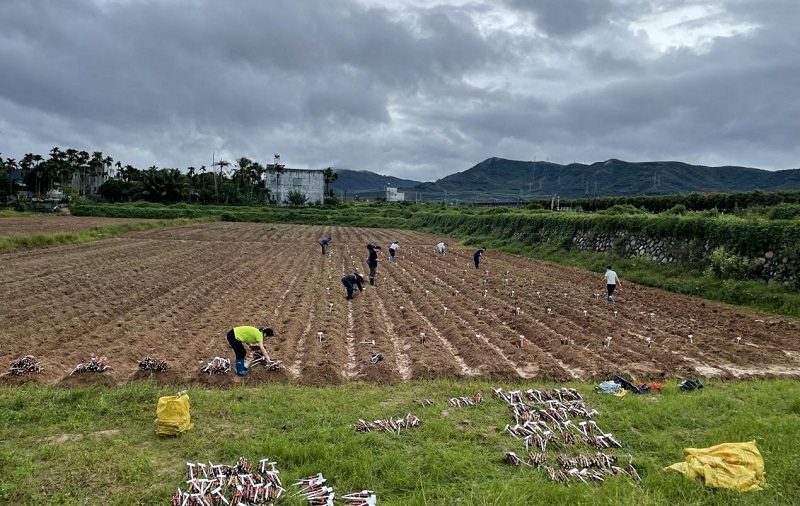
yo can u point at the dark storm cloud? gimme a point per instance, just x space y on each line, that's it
565 17
392 86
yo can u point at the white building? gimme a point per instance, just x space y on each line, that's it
310 183
392 195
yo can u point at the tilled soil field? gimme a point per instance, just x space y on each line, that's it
174 293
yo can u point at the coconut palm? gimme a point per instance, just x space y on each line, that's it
330 177
37 164
11 166
222 164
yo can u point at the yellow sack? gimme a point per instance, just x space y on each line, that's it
172 415
737 466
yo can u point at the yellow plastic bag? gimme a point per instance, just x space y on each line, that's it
172 415
737 466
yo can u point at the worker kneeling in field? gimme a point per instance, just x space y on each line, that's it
350 280
239 336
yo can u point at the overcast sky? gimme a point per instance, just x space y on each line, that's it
415 88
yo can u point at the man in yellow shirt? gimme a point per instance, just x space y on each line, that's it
239 336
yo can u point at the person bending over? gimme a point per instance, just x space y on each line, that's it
350 281
239 336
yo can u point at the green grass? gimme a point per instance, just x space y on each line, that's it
454 457
10 213
683 278
27 241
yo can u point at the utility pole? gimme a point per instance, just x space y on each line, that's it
213 164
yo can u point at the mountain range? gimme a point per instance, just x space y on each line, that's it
501 180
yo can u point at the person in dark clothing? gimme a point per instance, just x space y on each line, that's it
477 256
324 242
372 262
350 280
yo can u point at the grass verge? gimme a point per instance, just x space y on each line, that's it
28 241
96 445
684 278
10 213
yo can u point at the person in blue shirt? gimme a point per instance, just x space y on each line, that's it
324 242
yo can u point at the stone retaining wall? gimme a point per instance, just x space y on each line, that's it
770 265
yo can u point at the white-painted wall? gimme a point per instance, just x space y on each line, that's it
309 182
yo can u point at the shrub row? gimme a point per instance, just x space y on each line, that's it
725 202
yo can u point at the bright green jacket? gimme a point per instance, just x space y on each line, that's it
249 335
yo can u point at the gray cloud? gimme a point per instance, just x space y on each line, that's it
565 17
418 91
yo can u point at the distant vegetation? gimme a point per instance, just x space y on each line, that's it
97 177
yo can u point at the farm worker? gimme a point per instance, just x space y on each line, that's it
324 242
441 247
372 262
239 336
477 256
392 250
350 280
612 280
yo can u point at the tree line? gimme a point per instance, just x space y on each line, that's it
723 202
95 176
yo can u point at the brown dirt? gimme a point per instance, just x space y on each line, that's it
50 223
174 293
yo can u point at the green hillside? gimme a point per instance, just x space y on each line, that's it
504 180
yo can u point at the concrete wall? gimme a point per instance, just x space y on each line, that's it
309 182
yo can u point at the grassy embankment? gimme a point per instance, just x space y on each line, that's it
97 445
41 240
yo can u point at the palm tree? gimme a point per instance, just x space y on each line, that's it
244 172
221 164
257 172
57 166
11 166
278 168
81 166
96 164
37 160
202 177
109 163
25 166
330 177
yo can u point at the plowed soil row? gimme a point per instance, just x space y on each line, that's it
174 293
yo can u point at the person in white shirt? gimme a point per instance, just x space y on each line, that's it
612 281
441 247
392 250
